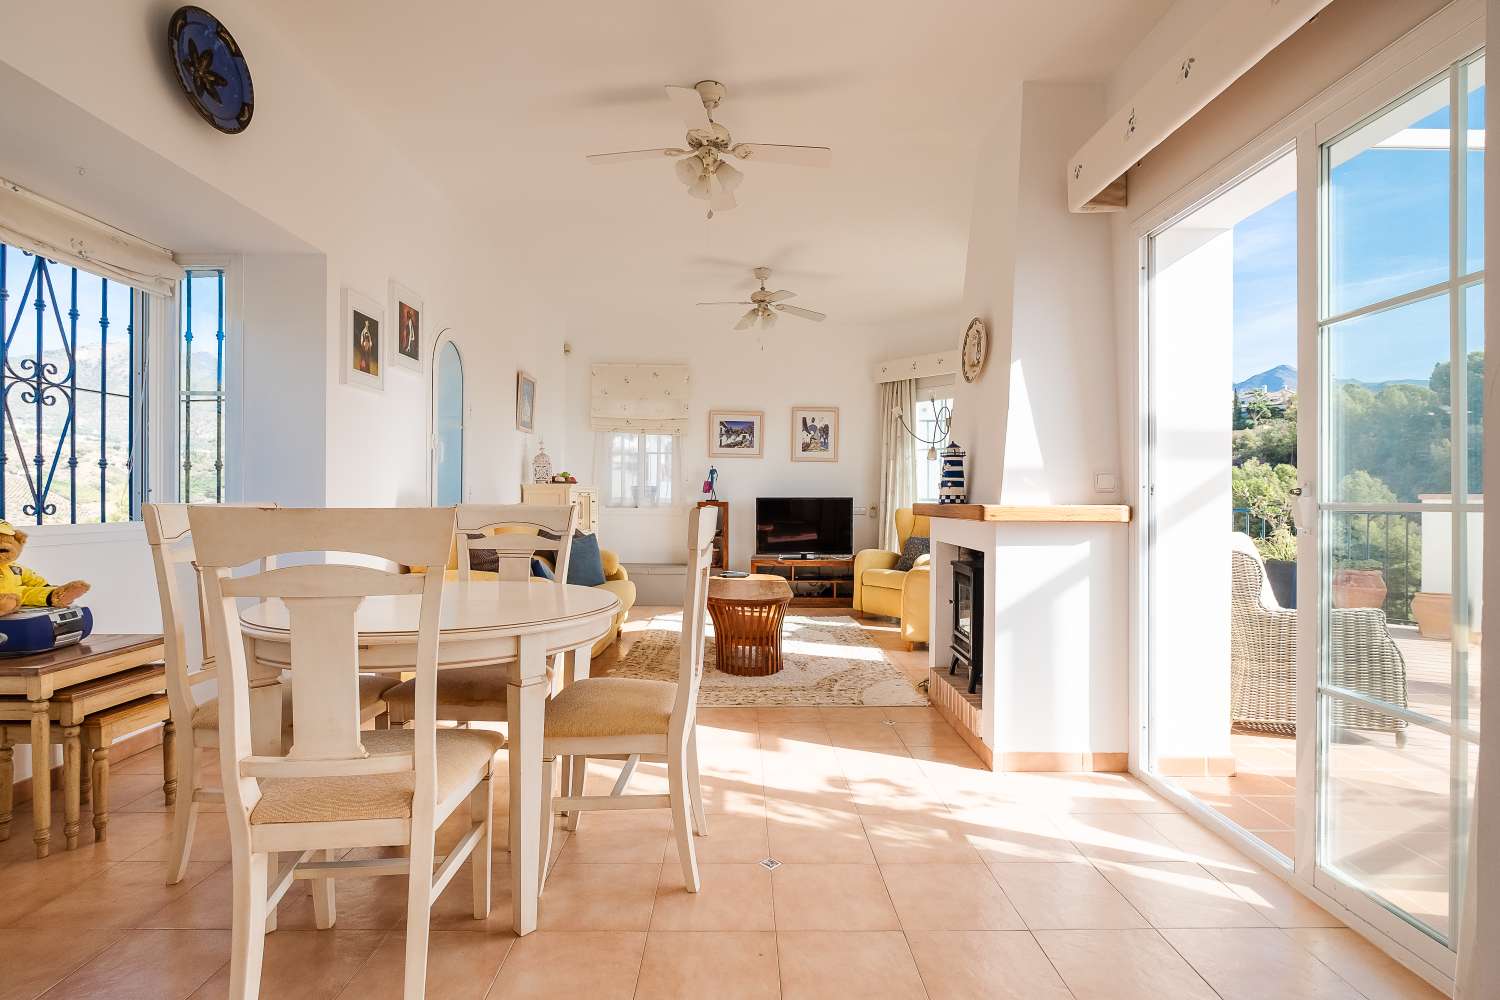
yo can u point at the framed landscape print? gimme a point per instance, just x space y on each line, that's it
815 434
409 316
735 433
525 402
363 337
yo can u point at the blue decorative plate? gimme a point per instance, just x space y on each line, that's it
211 69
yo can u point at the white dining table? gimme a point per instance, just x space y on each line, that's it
517 624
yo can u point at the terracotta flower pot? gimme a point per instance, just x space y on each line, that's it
1358 588
1434 614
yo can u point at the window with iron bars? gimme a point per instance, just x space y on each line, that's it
200 388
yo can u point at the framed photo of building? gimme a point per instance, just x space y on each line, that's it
736 433
410 335
815 434
525 402
363 336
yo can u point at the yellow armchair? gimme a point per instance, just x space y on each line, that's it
881 589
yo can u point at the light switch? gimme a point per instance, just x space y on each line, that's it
1104 482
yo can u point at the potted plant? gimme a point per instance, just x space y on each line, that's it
1278 551
1359 583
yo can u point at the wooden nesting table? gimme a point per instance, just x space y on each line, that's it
38 681
747 613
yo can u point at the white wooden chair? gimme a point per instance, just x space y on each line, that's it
197 723
514 533
631 718
337 788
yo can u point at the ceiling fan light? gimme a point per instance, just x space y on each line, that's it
728 175
701 187
689 169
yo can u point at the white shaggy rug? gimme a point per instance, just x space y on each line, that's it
826 661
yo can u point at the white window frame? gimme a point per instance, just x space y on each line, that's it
929 390
605 472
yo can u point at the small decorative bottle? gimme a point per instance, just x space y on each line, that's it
952 487
541 466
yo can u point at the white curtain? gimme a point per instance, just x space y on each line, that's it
898 467
33 223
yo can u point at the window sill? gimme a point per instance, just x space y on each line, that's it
672 509
49 535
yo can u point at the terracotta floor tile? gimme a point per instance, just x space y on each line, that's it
730 839
819 836
913 840
210 841
820 965
149 965
461 965
304 965
1274 899
600 965
1359 963
1123 965
605 836
36 958
1251 964
603 897
832 897
879 735
1181 894
1015 833
985 965
851 715
123 895
1065 896
731 897
913 714
942 897
724 965
1128 837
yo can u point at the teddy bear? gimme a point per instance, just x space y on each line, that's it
20 586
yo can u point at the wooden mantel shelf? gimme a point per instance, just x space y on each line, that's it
1055 513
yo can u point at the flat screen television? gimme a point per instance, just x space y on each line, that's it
799 526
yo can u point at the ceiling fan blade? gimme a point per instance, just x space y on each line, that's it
805 156
779 295
726 303
635 154
747 320
689 105
811 314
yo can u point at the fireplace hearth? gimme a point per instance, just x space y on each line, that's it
968 618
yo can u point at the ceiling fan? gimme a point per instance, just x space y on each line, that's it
765 305
703 166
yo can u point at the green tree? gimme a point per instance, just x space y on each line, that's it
1258 407
1440 383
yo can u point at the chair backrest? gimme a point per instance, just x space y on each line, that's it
1248 578
171 541
321 602
909 524
514 532
702 523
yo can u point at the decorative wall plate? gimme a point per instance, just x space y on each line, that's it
976 346
211 69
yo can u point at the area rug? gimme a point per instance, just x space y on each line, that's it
826 661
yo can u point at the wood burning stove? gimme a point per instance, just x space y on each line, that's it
968 616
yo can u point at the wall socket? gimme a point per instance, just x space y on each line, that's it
861 511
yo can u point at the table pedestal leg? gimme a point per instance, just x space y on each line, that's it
41 777
526 715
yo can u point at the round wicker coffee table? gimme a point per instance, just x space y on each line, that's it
747 613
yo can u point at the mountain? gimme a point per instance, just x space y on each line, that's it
1272 380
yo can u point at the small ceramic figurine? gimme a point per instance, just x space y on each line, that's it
22 587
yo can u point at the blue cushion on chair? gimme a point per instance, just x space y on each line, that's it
541 569
585 564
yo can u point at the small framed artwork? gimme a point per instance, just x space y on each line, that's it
736 433
407 312
525 402
815 434
364 341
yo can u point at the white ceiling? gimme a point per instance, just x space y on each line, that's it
500 103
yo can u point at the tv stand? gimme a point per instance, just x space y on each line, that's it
817 582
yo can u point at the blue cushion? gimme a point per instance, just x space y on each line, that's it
541 569
916 546
585 564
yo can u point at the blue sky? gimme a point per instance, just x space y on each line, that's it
1389 235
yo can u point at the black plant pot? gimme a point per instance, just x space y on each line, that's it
1283 576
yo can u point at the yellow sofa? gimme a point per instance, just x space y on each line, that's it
616 580
881 589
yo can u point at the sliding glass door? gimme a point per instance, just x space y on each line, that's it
1400 499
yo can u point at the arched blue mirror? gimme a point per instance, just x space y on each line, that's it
448 426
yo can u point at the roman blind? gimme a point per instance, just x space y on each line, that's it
30 222
649 399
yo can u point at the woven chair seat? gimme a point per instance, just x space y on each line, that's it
611 706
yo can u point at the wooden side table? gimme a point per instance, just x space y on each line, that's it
37 679
747 613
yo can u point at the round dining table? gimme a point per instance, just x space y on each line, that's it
519 625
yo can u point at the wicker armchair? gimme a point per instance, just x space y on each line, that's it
1263 656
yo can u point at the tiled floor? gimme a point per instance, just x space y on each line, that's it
905 871
1391 800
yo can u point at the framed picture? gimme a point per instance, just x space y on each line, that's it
364 339
735 433
408 314
815 434
525 402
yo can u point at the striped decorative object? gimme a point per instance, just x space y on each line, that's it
952 486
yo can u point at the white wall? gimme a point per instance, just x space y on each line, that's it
796 364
